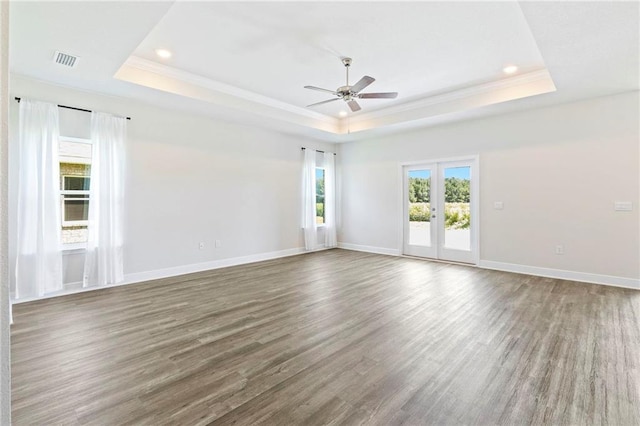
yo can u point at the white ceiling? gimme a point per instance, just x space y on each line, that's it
412 48
248 62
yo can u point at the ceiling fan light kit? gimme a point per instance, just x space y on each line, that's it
349 94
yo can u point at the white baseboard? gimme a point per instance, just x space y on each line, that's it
206 266
137 277
73 288
370 249
585 277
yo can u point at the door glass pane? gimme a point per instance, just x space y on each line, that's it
419 207
457 215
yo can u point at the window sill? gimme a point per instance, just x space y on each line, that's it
74 248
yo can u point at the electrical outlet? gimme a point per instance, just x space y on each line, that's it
218 243
559 249
201 245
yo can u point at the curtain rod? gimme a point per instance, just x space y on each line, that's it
316 150
70 107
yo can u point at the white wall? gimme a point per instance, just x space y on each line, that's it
558 171
5 350
190 179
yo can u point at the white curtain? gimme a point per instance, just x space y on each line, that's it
103 262
39 249
330 237
309 199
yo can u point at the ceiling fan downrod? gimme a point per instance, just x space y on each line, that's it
347 64
345 91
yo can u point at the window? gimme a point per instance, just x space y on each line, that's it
75 198
319 196
75 172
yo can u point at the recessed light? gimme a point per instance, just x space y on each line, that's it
163 53
342 113
510 69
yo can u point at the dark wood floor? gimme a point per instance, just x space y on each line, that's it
335 337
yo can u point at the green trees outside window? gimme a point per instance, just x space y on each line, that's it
457 198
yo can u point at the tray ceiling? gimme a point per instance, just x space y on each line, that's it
250 61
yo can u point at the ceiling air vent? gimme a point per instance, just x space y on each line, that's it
65 59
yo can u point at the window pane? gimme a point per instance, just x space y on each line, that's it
457 215
75 208
419 207
319 196
75 169
76 183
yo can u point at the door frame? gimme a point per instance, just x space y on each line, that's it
474 208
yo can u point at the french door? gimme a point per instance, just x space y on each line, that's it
439 210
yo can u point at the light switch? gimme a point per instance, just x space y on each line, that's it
498 205
623 206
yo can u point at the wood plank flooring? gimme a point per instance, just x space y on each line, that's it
334 337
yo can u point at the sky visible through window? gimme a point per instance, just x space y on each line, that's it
450 172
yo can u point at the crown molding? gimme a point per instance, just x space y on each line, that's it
187 77
144 72
457 95
162 77
430 108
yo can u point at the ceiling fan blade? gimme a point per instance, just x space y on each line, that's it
388 95
364 82
323 102
354 106
320 89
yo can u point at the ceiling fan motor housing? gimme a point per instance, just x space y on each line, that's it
345 92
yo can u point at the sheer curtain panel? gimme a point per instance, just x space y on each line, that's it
103 262
330 237
38 249
309 199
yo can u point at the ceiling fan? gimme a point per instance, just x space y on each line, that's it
349 94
